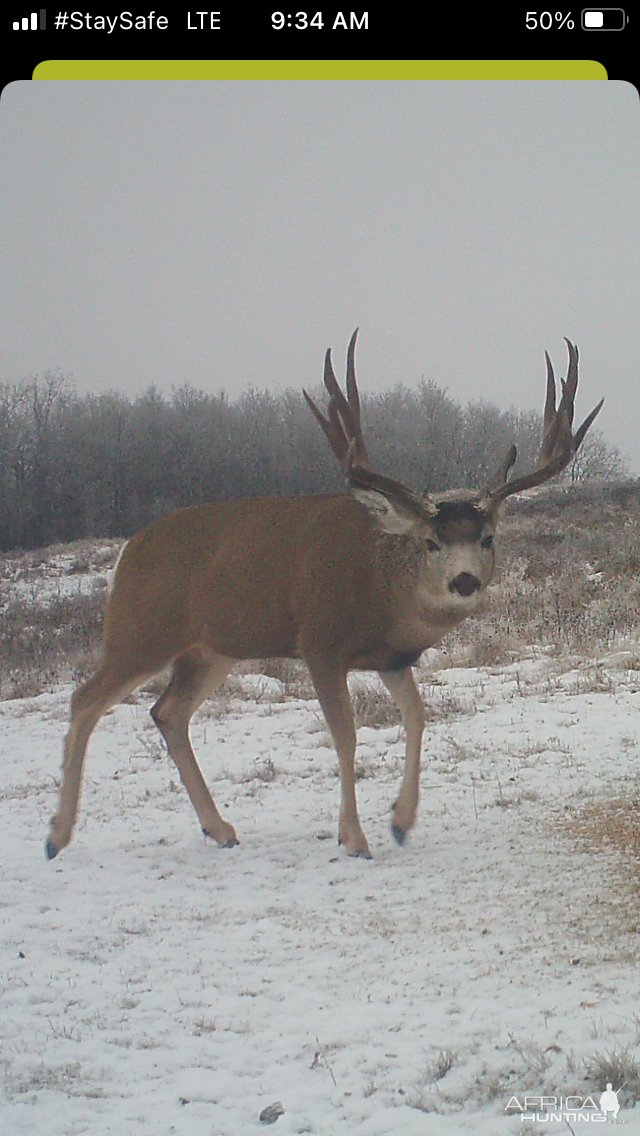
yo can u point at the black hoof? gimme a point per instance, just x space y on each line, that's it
399 834
357 855
51 850
230 843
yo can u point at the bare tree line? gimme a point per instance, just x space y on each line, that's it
74 466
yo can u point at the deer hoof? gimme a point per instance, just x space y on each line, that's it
399 834
50 849
357 853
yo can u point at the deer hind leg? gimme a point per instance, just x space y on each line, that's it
196 675
333 693
402 688
89 702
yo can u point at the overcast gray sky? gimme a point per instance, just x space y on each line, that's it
225 233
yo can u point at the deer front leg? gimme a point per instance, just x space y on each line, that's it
333 694
402 688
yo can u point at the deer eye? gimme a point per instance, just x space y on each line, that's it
487 542
432 546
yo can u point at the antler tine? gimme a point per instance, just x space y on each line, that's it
330 381
559 444
342 427
550 400
331 426
348 408
557 423
352 387
581 431
571 384
553 419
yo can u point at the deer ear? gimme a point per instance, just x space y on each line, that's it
390 515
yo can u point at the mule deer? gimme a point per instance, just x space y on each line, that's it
364 580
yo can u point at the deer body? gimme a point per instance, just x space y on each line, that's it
360 581
280 564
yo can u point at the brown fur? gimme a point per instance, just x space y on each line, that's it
308 577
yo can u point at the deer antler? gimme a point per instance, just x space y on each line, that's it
559 444
344 431
343 427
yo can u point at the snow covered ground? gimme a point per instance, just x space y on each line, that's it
154 984
56 573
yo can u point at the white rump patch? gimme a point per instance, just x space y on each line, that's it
112 574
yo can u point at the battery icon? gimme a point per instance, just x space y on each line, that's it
603 19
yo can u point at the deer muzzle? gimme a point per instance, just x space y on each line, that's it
465 584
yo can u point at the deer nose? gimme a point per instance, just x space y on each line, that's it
465 584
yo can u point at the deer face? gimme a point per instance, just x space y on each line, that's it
458 558
447 539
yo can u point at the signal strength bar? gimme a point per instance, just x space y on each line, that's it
32 23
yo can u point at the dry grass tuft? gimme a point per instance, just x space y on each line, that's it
374 708
293 675
613 823
618 1067
40 646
